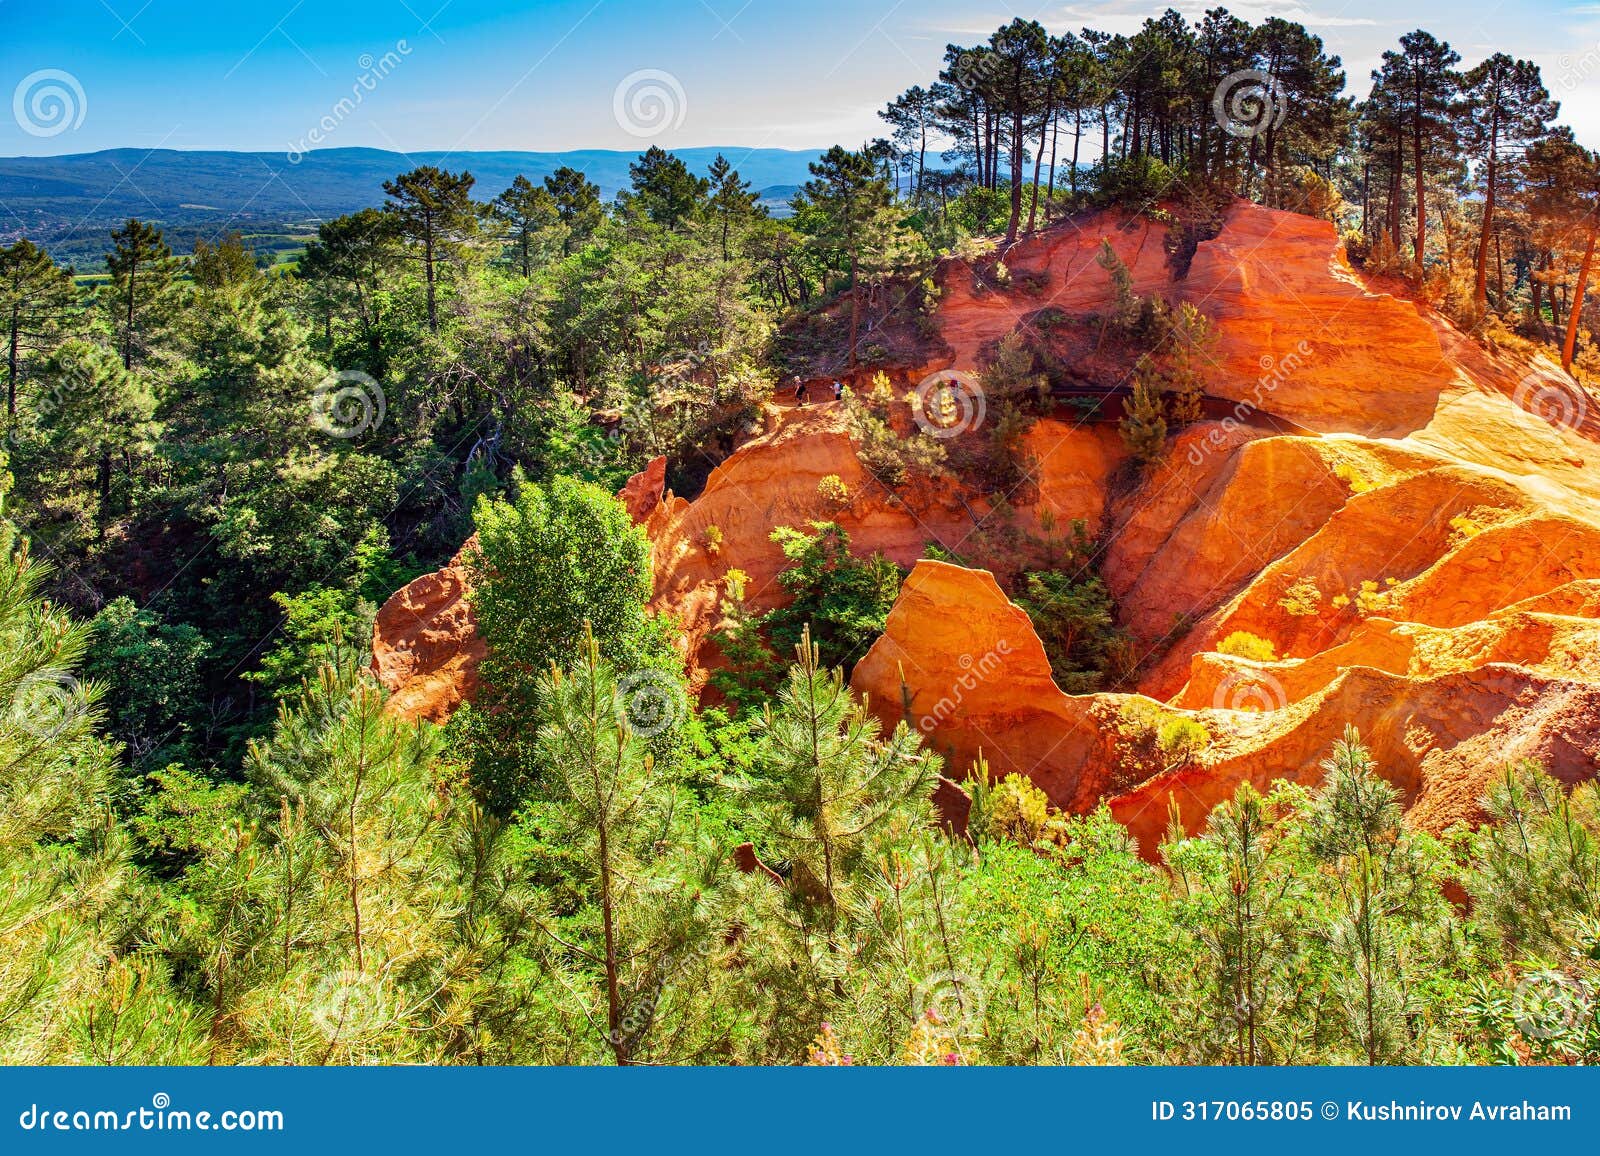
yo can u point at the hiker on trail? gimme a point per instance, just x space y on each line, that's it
800 393
838 389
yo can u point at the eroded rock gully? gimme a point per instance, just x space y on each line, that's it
1426 564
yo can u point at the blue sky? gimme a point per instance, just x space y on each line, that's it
546 74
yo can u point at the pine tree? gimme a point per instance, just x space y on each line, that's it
1143 425
142 272
317 921
527 210
1507 108
830 785
664 189
435 213
577 205
1237 896
1379 896
63 860
36 300
656 918
840 207
731 200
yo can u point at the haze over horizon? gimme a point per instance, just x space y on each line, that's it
555 75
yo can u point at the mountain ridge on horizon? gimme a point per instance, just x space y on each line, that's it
66 203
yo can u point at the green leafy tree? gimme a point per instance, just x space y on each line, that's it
555 558
838 601
155 671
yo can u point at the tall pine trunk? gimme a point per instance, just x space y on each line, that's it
1480 290
1575 311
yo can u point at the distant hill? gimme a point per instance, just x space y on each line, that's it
69 203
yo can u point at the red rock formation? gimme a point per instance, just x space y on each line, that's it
1426 567
643 492
425 644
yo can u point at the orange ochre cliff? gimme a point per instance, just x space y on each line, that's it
1422 555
